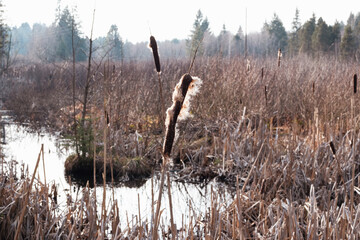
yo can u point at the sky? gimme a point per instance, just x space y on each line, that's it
168 19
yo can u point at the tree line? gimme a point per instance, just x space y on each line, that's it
54 43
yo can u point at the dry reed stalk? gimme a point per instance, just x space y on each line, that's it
353 145
18 229
252 168
46 187
140 230
173 227
152 204
105 128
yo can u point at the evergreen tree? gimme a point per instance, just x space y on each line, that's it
5 42
223 45
351 21
321 37
306 33
238 42
356 30
21 38
347 47
277 33
200 27
68 29
335 37
294 42
115 43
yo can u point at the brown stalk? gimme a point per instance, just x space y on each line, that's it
353 146
105 127
173 229
28 195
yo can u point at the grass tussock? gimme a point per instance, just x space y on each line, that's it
124 169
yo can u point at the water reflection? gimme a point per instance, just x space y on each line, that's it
24 146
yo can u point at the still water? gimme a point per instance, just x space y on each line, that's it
23 146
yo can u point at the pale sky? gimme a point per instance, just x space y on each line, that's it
170 19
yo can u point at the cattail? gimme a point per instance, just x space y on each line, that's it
154 48
107 118
332 148
187 87
279 57
265 95
355 83
313 87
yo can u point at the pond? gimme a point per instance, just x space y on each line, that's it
23 146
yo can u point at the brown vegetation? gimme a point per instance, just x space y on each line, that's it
291 152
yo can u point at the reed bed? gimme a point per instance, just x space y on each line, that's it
286 138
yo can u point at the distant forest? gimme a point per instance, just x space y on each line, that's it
55 42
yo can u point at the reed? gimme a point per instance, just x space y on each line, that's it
353 121
287 186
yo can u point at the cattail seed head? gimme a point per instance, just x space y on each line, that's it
186 88
355 83
279 57
313 87
332 148
154 48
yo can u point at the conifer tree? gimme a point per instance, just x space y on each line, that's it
200 26
5 42
306 35
294 42
321 37
348 47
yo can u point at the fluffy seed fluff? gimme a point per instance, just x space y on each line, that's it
186 88
193 89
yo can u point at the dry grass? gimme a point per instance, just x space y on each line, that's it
290 152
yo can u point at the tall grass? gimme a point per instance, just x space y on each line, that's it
295 173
